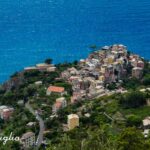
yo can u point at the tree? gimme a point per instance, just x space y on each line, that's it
133 120
111 86
30 90
132 139
30 74
10 145
98 140
146 80
48 61
133 100
85 140
131 83
14 75
75 62
146 68
2 91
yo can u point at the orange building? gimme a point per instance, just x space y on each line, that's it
56 89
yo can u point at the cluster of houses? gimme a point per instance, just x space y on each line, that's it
138 66
61 102
41 67
6 112
28 139
102 67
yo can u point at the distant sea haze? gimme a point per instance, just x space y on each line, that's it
31 31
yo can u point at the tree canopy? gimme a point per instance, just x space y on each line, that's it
133 99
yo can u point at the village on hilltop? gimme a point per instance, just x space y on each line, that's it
108 65
90 80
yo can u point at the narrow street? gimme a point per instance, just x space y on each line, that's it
41 124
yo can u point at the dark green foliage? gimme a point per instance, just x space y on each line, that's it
133 120
146 80
2 91
128 54
75 62
97 132
111 86
50 77
48 61
146 68
14 75
133 99
10 145
63 66
131 83
30 90
32 73
91 139
132 139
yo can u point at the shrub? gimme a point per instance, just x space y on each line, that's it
133 100
133 120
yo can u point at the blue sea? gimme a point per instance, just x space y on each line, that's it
32 30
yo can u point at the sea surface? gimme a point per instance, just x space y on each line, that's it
32 30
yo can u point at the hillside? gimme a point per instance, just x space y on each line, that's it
109 92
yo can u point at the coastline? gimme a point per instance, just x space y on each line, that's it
109 75
40 65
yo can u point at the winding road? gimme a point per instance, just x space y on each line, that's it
41 124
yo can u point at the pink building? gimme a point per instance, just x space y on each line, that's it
140 64
137 72
60 103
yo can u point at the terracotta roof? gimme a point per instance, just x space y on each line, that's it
56 89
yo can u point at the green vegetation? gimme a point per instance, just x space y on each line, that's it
131 83
133 99
48 61
63 66
146 80
114 121
133 120
132 139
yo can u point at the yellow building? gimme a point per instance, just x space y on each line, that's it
120 61
110 59
101 78
103 68
73 121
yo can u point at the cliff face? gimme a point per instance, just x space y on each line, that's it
13 82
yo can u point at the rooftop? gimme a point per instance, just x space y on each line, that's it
61 99
56 89
73 116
